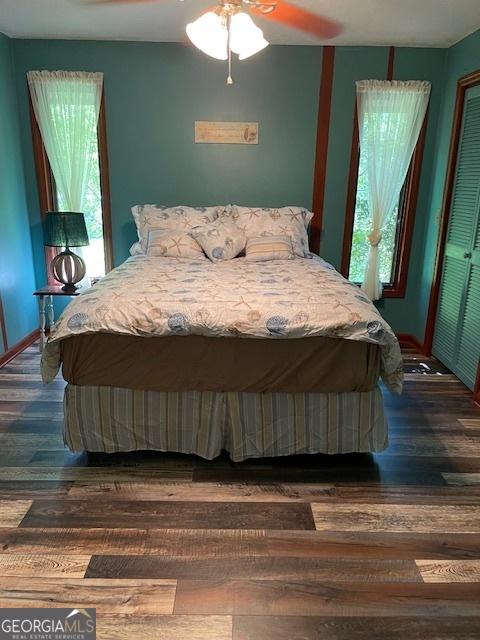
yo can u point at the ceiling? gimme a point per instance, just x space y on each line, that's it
432 23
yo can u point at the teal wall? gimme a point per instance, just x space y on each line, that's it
154 92
17 279
460 59
355 63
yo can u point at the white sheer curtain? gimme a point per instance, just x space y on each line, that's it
66 105
390 117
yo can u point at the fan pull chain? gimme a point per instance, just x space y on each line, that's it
229 78
229 50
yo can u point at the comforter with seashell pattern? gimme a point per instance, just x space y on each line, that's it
278 299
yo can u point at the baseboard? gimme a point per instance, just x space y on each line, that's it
11 353
408 340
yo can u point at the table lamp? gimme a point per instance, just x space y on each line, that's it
66 229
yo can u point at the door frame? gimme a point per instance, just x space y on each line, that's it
463 84
476 390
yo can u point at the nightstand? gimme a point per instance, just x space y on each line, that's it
46 306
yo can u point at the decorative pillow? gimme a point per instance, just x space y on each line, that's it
221 240
291 221
182 216
172 244
269 248
137 210
153 216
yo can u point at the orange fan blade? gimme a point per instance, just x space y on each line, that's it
291 16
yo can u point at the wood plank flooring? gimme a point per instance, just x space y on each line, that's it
158 514
377 547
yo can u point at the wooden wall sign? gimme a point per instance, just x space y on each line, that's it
226 132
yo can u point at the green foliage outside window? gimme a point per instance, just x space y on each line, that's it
361 229
94 253
93 197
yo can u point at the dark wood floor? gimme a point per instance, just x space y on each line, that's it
172 547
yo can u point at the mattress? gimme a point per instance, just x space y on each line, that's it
200 363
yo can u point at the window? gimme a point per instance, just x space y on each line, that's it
96 203
362 227
394 250
94 253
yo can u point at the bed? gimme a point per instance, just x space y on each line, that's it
256 358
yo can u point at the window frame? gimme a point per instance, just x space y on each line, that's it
46 184
407 209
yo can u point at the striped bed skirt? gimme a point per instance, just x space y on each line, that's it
246 425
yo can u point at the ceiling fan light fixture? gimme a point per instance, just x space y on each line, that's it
246 39
208 34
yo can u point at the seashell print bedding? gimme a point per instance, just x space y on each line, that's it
278 299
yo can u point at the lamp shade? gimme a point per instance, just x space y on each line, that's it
246 38
65 229
209 34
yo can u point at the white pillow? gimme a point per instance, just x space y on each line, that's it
169 217
172 244
269 221
221 240
136 211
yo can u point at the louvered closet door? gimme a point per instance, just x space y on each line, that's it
457 330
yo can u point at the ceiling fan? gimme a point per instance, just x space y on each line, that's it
228 27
